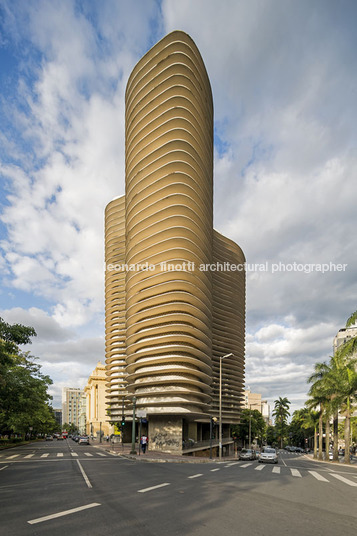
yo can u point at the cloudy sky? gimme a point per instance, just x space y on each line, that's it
284 81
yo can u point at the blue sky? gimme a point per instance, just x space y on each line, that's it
283 76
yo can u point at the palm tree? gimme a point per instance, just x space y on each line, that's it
322 393
316 401
281 414
345 380
311 420
346 383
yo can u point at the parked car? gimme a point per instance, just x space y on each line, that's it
83 440
49 438
268 455
247 454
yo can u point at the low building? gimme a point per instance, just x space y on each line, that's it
70 405
254 401
83 414
343 336
96 417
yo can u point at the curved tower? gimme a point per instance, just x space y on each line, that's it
228 327
171 311
115 333
169 184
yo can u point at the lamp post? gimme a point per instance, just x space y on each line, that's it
250 427
220 402
133 451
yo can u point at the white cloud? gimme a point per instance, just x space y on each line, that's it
283 84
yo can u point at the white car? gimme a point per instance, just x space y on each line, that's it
268 455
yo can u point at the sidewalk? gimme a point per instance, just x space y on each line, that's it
154 456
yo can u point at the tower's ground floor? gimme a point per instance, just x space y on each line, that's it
177 435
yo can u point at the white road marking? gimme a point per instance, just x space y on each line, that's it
343 479
45 455
213 470
64 513
100 454
318 476
231 464
295 472
246 465
84 475
2 468
59 454
29 455
276 470
74 454
153 487
13 456
259 467
195 476
88 454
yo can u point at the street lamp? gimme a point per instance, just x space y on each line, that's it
133 451
220 402
250 426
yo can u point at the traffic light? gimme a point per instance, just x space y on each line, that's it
123 421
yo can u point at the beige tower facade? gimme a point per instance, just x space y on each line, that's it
95 404
169 315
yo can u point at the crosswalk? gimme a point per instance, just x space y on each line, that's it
50 455
296 473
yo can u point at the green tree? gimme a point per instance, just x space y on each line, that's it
311 422
24 400
11 336
298 431
281 414
271 436
321 396
334 390
250 420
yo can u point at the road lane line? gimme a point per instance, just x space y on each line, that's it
101 454
2 468
64 513
245 465
153 487
195 476
213 470
74 454
29 455
276 470
13 456
84 475
295 472
88 454
259 467
318 476
231 464
343 479
45 455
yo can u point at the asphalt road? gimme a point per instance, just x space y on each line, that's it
61 488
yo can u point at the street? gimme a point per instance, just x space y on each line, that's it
60 488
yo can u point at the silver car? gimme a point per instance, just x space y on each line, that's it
247 454
268 455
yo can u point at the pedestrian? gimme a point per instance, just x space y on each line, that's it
143 442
